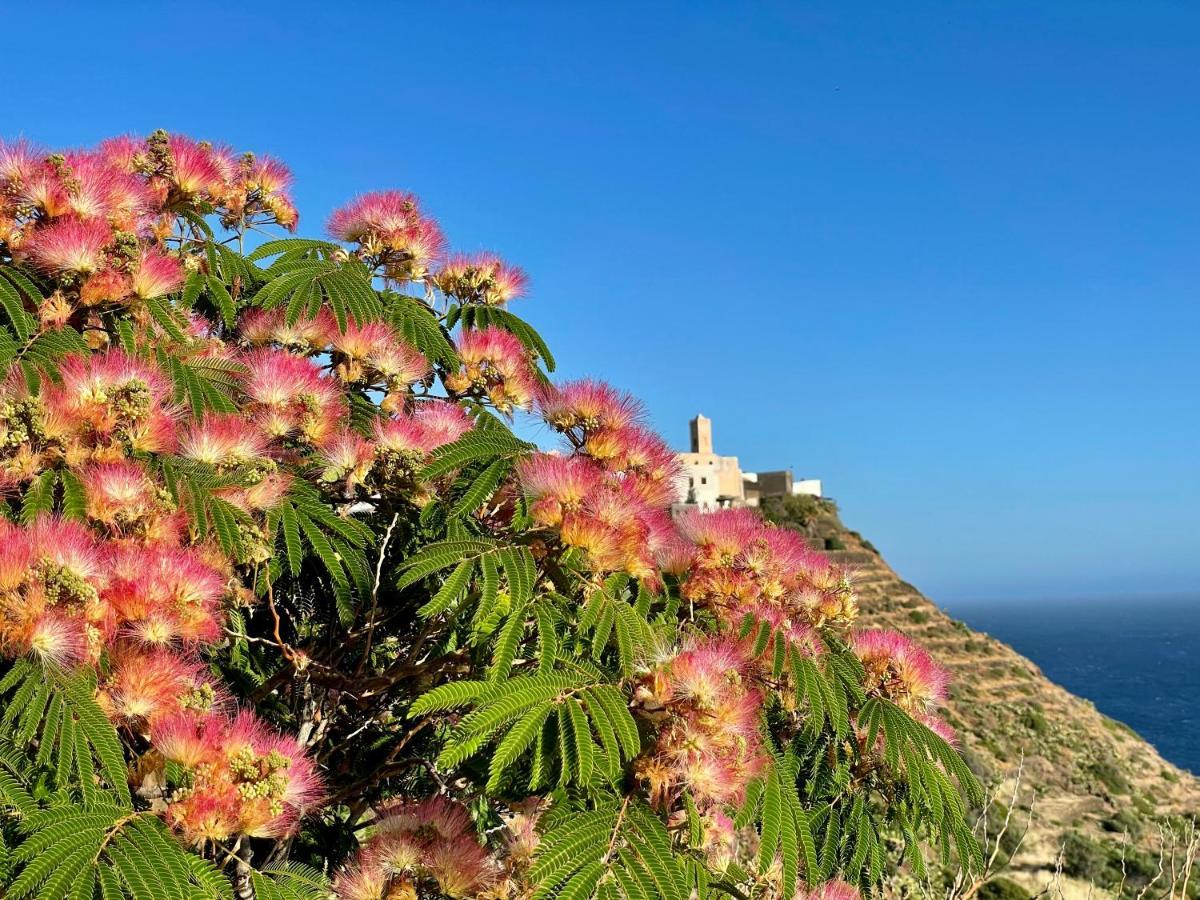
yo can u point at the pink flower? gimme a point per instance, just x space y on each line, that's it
589 405
118 493
223 440
483 278
391 222
195 169
830 890
18 162
57 639
156 274
433 424
497 365
902 671
69 245
557 484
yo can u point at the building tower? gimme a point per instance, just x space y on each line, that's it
702 441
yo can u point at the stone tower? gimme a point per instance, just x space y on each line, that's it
702 441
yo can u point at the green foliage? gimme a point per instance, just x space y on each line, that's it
1003 889
426 636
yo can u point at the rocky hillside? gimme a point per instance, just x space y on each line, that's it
1093 784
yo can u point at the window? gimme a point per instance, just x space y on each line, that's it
704 481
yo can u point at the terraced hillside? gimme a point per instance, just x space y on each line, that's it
1092 782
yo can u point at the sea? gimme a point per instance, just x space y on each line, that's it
1136 658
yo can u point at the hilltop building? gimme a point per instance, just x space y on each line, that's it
711 481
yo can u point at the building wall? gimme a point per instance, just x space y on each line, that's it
711 480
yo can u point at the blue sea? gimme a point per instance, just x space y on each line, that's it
1136 658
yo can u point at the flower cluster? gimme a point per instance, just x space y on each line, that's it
608 497
709 744
100 221
68 597
404 441
484 278
741 566
495 366
103 407
392 232
417 847
241 777
901 671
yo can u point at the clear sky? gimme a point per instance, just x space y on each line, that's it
941 255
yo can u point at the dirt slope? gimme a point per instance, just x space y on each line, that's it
1092 776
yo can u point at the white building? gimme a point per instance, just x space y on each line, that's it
710 481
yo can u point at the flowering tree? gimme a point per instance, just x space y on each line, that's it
287 610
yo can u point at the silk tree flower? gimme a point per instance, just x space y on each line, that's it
372 352
119 494
404 442
163 596
143 686
431 425
69 246
900 670
495 365
18 161
588 405
483 278
96 189
102 391
830 890
51 576
105 286
41 189
390 225
417 841
347 457
290 398
195 170
223 440
743 565
245 778
155 275
557 484
269 326
709 745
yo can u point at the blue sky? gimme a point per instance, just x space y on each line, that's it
941 255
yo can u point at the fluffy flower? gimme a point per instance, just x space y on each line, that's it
156 274
119 493
495 364
270 326
69 246
432 425
484 278
830 890
902 671
391 224
430 839
144 686
347 457
224 441
246 779
710 744
195 169
372 352
557 484
589 405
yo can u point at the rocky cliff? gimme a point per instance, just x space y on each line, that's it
1101 807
